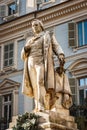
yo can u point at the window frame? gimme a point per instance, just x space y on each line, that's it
46 1
83 36
8 59
14 66
6 16
84 87
9 87
76 20
7 103
9 6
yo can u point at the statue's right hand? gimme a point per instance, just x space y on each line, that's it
26 48
62 59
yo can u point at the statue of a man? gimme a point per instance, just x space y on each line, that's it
38 64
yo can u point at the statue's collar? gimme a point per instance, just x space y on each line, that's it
38 36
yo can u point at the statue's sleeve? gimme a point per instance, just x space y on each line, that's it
56 46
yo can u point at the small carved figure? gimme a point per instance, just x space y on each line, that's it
60 96
39 76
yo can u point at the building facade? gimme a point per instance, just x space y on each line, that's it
67 19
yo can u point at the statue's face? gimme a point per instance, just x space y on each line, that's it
36 27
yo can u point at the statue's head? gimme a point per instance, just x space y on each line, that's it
37 26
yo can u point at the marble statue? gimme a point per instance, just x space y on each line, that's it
48 86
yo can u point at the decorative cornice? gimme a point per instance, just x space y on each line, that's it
10 82
78 67
8 75
76 56
80 63
8 85
6 1
55 15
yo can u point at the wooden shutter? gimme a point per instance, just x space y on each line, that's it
39 1
2 11
0 58
17 2
0 106
73 86
72 34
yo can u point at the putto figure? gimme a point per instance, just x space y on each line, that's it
39 75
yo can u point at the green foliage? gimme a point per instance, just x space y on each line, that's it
80 114
80 122
28 121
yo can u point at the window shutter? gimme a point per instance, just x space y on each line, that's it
73 86
39 1
17 2
0 106
2 11
72 34
0 57
12 102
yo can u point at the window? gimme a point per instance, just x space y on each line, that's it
72 34
7 108
82 90
81 97
73 86
46 0
82 82
82 33
8 54
11 8
8 101
2 11
0 57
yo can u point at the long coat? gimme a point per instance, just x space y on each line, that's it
49 45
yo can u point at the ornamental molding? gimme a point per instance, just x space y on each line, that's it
76 57
79 67
52 16
8 85
80 63
8 82
6 1
9 75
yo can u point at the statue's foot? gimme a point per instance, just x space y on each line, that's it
53 109
37 110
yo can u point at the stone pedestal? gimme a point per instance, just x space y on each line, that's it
52 120
55 121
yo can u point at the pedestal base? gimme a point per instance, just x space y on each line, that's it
55 121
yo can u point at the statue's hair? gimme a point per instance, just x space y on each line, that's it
40 22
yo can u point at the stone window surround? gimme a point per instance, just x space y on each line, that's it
11 89
50 1
76 21
15 55
14 104
3 103
46 3
8 54
7 2
78 70
81 88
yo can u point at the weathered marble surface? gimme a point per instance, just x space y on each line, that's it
55 121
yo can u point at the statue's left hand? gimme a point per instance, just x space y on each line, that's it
66 101
27 48
66 97
62 59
